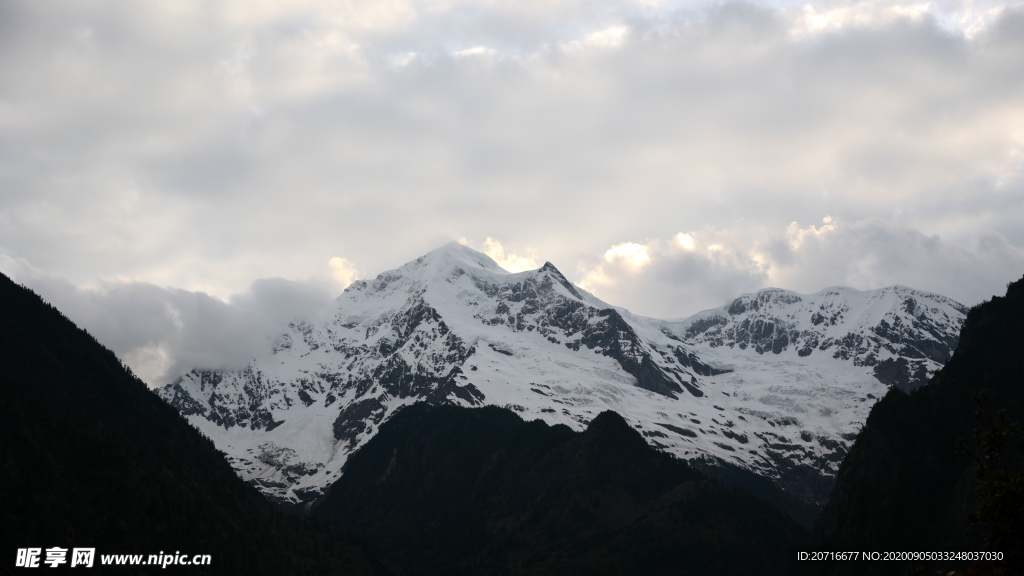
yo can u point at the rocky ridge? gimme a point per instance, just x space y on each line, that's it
733 385
903 335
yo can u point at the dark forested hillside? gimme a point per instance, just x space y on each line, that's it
448 490
89 457
903 485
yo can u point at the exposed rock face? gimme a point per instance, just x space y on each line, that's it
822 360
904 335
452 327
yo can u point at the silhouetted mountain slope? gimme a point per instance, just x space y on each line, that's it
89 457
445 489
902 486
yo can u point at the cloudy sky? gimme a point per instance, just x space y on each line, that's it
183 176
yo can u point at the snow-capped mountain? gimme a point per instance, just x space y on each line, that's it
806 369
904 335
776 382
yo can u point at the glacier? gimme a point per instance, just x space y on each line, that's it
775 382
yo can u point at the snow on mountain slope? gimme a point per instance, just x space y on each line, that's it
806 369
904 335
452 326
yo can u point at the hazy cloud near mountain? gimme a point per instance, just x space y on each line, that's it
202 145
163 332
695 271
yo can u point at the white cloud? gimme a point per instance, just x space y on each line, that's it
611 37
795 236
162 332
684 240
717 265
342 271
626 254
481 51
631 252
235 154
967 18
202 145
510 262
857 14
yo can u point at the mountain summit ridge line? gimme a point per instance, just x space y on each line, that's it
775 382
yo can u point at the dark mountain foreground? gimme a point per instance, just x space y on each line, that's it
449 490
89 457
906 487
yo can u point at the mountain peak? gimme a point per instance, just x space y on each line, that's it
905 335
452 326
560 278
454 254
446 263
